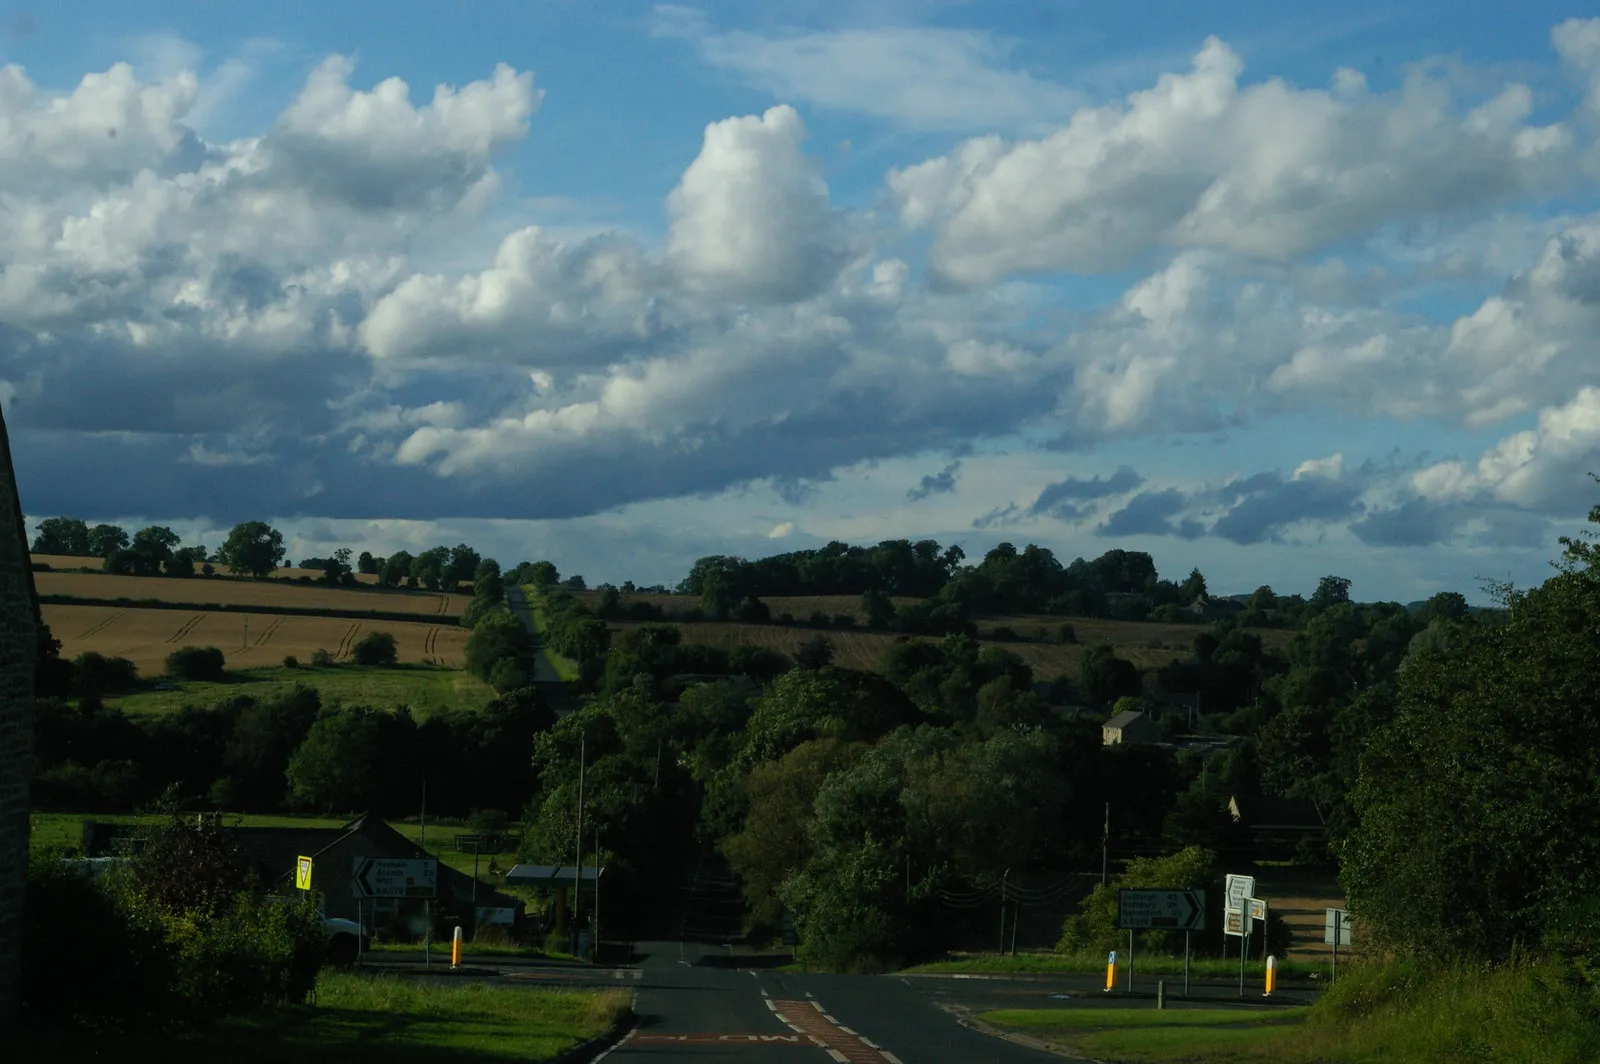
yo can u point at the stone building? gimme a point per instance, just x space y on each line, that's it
18 631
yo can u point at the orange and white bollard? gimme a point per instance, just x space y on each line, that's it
455 948
1111 971
1272 975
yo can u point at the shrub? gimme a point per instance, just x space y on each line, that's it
1066 634
1004 634
99 675
196 663
70 917
814 653
378 648
321 656
753 611
290 661
844 620
508 674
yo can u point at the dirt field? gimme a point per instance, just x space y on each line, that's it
1302 899
235 592
146 637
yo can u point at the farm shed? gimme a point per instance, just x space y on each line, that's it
1129 726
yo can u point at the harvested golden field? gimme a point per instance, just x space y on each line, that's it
147 636
231 591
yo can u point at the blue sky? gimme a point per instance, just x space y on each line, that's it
644 282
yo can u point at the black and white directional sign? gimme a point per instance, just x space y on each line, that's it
1177 910
384 877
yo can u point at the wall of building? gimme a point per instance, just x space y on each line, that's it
17 653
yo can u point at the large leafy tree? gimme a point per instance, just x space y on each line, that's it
338 767
106 540
253 547
62 535
1476 805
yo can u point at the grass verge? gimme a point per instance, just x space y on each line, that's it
422 687
1062 1019
1095 964
372 1020
1404 1013
565 668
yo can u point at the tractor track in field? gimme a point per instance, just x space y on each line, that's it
430 646
188 626
348 642
266 633
101 625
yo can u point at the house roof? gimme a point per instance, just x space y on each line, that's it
1125 718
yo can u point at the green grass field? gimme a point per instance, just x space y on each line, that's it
377 1019
64 831
423 688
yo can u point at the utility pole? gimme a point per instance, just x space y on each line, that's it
424 815
1003 880
597 893
1105 846
577 871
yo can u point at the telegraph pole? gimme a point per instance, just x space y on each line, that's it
1105 846
577 871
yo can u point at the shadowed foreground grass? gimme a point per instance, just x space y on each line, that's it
371 1020
1395 1014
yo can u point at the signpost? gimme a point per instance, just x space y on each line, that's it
385 877
302 873
1336 932
1175 910
398 877
1236 919
1258 915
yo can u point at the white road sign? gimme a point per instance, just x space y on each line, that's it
1336 930
1179 910
1238 889
383 877
1258 910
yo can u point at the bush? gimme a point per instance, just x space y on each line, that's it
321 656
196 663
1066 634
290 661
99 675
814 653
508 674
1004 634
69 918
844 620
378 648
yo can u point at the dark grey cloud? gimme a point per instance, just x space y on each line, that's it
1263 505
1415 523
998 517
940 483
1055 500
1150 513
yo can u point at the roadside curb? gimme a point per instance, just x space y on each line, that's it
965 1018
602 1043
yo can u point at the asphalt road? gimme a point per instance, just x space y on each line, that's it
694 1004
697 1003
